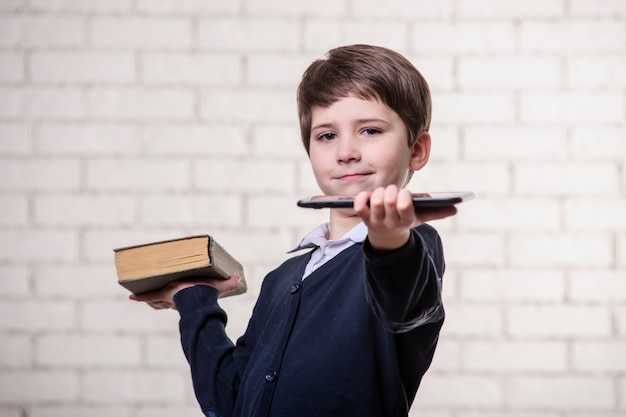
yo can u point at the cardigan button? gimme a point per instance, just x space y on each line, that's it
271 375
295 287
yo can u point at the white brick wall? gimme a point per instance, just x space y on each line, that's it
123 121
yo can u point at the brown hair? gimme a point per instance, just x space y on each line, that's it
371 73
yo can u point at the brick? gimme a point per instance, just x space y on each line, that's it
15 139
14 210
278 211
460 392
38 386
10 31
12 68
53 31
141 104
277 140
15 281
487 178
565 179
620 319
480 249
141 32
254 246
321 34
99 410
36 316
621 250
402 9
98 244
295 8
561 392
600 356
112 387
389 33
82 67
51 103
511 214
495 8
80 6
127 316
562 250
176 410
574 108
514 72
466 320
562 321
193 7
597 286
191 69
572 35
25 246
85 210
496 356
515 144
225 175
584 143
447 357
248 34
164 353
132 174
193 140
78 281
512 285
445 144
462 108
275 70
191 210
248 106
12 102
87 351
439 72
306 185
601 214
15 352
10 5
608 8
596 72
39 174
87 139
462 37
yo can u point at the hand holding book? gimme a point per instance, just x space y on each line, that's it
164 297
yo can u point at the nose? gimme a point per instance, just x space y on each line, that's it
348 149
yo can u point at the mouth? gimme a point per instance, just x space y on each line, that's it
353 176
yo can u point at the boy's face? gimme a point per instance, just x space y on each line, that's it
359 145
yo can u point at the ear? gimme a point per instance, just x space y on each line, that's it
420 151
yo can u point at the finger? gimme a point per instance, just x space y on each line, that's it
405 204
391 202
377 205
361 203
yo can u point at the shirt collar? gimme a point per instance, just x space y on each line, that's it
318 237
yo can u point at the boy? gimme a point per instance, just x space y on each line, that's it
350 327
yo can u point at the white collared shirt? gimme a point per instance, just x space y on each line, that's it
327 249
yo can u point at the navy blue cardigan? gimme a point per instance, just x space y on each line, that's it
353 339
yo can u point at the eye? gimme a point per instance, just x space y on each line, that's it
326 136
370 131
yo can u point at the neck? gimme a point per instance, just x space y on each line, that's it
341 221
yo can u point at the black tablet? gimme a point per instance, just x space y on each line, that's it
420 201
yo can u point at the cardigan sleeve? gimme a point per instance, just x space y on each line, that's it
216 363
403 286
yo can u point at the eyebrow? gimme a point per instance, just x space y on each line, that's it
357 121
